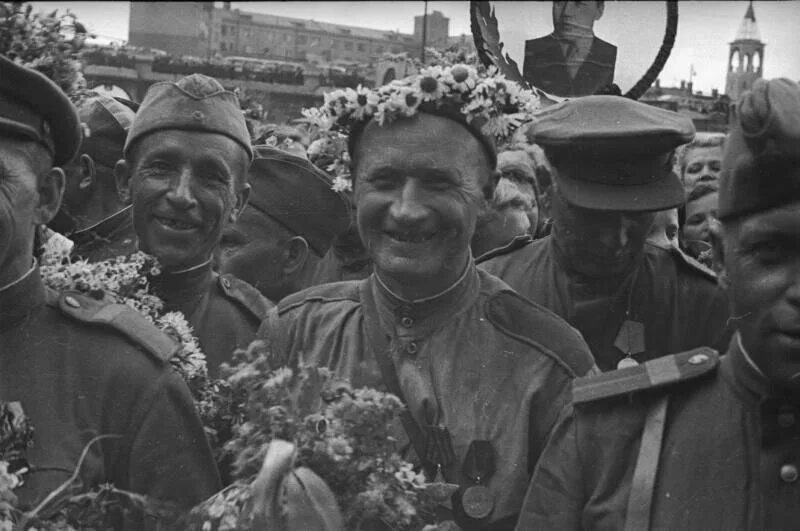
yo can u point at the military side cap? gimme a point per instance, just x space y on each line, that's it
653 374
34 108
297 195
194 103
612 153
106 122
761 162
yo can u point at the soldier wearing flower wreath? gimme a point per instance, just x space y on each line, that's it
186 160
88 374
631 300
482 370
696 441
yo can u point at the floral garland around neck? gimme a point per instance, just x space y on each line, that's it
498 105
124 280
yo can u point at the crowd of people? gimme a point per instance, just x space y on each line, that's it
125 57
592 319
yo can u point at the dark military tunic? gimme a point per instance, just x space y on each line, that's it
678 302
728 460
110 238
224 311
77 379
466 359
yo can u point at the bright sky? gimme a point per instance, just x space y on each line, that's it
704 29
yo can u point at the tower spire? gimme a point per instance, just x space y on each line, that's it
746 57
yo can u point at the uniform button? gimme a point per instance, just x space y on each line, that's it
697 359
72 301
786 420
407 322
197 115
226 282
789 473
411 348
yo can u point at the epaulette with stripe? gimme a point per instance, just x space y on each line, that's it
123 319
653 374
245 295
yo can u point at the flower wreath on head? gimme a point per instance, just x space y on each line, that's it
483 98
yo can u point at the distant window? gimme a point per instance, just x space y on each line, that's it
379 49
361 47
348 45
302 39
223 47
287 37
224 30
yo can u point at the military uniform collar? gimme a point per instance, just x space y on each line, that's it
21 298
748 380
178 287
417 318
104 229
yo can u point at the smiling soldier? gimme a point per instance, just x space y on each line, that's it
632 300
186 161
481 370
718 439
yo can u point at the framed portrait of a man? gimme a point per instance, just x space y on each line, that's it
572 60
575 48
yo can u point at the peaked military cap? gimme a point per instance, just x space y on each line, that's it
194 103
298 195
34 108
761 163
612 153
106 122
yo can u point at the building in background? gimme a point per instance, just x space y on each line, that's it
746 58
201 29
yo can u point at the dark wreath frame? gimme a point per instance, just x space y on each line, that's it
485 33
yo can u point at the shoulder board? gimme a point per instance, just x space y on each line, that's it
653 374
346 290
122 318
517 243
693 264
537 326
246 295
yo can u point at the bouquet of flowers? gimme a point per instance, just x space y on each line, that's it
47 43
341 434
16 436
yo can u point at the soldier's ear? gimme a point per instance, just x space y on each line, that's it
295 255
242 196
51 189
88 173
122 176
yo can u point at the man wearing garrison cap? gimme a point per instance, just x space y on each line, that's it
288 226
185 167
632 300
482 371
80 367
94 213
696 441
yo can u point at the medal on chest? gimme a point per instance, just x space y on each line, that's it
477 500
439 455
630 338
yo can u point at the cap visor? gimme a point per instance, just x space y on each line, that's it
653 196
